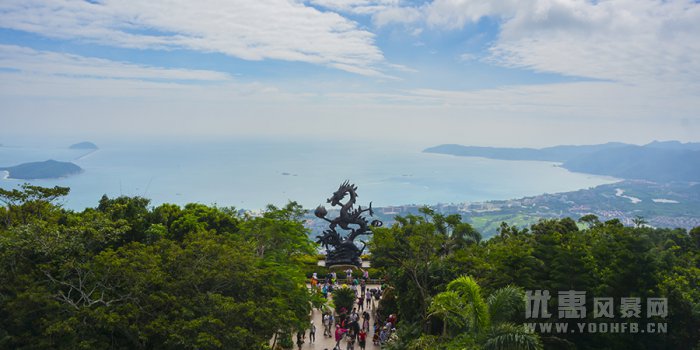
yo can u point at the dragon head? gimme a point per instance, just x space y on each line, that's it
345 188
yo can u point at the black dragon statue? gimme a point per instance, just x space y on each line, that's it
344 251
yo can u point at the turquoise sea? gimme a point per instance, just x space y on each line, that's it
249 174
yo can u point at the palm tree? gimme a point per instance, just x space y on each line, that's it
485 322
449 308
343 298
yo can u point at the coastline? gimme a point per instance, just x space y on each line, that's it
434 178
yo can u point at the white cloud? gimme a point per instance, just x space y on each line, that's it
628 41
467 57
635 42
359 7
405 15
454 14
69 94
251 30
27 72
31 61
586 101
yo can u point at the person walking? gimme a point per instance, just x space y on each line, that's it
326 325
312 333
351 343
362 339
300 340
365 321
339 333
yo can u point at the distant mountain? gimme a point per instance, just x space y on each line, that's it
83 145
675 145
552 154
49 169
657 161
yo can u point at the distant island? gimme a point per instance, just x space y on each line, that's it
50 169
656 161
84 145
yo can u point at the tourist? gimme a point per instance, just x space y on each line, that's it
368 298
365 321
351 342
354 316
348 274
312 333
355 327
339 333
383 335
360 303
300 340
362 339
326 325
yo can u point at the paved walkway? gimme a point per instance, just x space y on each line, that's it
322 342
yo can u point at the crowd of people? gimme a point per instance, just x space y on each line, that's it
351 328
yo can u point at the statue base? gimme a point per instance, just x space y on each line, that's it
346 253
355 263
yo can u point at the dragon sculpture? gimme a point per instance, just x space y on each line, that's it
344 251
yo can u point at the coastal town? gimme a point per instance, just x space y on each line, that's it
668 205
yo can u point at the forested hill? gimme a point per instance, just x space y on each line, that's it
128 275
50 169
656 161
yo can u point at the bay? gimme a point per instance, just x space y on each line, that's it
249 174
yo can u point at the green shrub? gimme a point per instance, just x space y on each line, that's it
343 298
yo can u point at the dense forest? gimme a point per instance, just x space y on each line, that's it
128 275
452 290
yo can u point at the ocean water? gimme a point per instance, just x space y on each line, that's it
250 174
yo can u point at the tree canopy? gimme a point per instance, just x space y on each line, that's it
128 276
441 308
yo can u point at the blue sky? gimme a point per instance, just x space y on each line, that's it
500 72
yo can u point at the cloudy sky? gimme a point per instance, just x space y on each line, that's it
498 72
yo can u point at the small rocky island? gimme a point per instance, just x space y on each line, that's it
84 145
50 169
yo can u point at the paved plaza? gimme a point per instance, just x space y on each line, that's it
322 342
